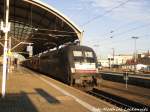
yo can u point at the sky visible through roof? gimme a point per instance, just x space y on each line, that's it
109 24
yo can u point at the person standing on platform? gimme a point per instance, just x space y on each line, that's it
15 63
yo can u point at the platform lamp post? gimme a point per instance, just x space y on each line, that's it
113 55
135 53
5 28
113 50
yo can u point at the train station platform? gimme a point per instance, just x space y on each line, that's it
28 91
133 93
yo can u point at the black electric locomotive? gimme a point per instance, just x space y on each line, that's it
73 64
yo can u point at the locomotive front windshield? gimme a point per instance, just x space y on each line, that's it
84 56
88 54
89 57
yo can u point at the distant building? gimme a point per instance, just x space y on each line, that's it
144 59
121 59
125 60
142 62
116 60
104 62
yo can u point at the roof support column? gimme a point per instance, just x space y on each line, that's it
5 29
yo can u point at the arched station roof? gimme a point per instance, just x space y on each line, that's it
38 23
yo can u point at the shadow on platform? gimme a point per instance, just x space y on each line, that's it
17 103
49 98
22 103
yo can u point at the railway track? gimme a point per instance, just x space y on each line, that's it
120 102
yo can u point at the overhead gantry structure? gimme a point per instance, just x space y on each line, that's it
33 21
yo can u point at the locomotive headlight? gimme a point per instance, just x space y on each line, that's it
72 70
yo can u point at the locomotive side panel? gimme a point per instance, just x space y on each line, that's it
64 65
49 65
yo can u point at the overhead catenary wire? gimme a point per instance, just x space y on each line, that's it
124 32
133 29
117 42
114 34
118 28
106 12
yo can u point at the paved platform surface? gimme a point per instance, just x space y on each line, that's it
134 93
28 91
